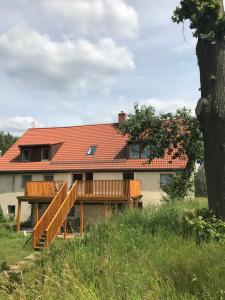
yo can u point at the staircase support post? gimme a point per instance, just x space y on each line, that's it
65 229
36 213
18 216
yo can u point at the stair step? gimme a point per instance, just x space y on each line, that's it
36 248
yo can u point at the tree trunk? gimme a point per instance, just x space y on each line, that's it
211 112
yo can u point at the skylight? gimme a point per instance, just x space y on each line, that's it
92 150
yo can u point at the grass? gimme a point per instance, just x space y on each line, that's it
135 255
13 247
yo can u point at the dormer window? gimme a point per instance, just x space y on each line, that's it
138 151
134 151
25 154
92 150
45 154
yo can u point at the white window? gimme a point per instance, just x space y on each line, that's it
25 154
45 154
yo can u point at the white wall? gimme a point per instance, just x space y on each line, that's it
150 186
11 188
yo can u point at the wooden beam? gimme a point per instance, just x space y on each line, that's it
81 219
18 216
36 213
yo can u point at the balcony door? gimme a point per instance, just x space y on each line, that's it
89 183
127 176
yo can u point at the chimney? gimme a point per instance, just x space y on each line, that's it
122 117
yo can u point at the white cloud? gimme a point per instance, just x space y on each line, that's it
165 106
17 124
110 17
39 61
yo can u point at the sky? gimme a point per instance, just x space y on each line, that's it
75 62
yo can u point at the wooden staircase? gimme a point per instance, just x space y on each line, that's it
53 218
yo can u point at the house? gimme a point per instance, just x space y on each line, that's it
85 153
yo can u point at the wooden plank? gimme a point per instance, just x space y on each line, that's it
36 214
81 219
18 216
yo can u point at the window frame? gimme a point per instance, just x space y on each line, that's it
139 151
23 182
42 152
11 214
170 175
22 154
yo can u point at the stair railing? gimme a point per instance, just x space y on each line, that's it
61 215
49 213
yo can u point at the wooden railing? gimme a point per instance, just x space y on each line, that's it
135 188
103 188
42 188
61 215
109 188
49 213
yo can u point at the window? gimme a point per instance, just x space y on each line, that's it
139 151
48 177
92 150
77 177
25 154
145 152
45 154
164 179
134 151
11 210
25 178
128 176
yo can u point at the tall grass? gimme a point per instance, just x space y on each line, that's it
135 255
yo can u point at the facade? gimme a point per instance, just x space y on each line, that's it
89 152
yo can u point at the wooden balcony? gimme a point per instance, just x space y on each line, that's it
97 191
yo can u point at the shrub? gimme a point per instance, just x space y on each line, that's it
203 224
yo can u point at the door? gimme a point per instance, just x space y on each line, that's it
89 183
127 176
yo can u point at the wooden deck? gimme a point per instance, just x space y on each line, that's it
61 201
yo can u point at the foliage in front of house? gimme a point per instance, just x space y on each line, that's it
178 132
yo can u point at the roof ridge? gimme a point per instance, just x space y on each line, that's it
72 126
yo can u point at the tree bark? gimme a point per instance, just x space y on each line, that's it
210 111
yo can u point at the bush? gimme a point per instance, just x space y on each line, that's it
2 218
203 224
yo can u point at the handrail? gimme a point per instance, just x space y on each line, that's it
61 215
49 213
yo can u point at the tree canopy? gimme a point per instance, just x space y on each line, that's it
206 17
6 141
178 133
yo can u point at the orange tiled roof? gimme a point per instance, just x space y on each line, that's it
72 154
